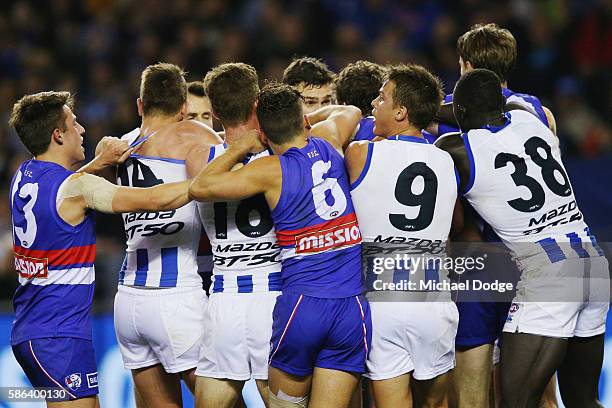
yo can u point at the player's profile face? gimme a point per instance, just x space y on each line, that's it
315 97
383 110
199 109
73 135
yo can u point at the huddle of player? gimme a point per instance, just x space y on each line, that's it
283 207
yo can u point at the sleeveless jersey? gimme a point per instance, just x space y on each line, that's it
54 260
162 246
530 102
316 225
406 195
519 186
246 257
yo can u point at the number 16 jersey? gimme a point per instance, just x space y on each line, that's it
246 256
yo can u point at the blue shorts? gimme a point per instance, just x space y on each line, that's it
60 362
480 322
313 332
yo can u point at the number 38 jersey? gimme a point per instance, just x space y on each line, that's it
519 186
316 224
162 246
405 196
246 257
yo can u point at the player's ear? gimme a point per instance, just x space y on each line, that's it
215 114
263 138
460 114
184 109
139 106
401 113
57 137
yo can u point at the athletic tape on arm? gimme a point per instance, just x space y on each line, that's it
97 192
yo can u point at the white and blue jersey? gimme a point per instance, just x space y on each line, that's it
162 246
54 260
246 256
519 186
316 225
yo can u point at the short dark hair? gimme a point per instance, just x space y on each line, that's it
163 89
307 70
279 111
479 92
232 89
36 116
358 84
418 90
489 46
196 88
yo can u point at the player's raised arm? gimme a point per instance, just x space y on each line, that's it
218 182
101 195
110 151
335 123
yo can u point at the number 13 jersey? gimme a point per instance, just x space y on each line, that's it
246 256
162 246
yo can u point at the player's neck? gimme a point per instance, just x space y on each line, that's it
299 141
53 156
405 130
233 133
151 124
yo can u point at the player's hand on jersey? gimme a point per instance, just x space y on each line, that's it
112 151
250 142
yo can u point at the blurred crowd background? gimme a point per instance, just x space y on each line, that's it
97 49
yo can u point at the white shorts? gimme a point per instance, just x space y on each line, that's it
409 336
565 318
160 326
237 343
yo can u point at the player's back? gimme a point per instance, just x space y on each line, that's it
405 195
519 186
246 256
161 246
316 225
55 260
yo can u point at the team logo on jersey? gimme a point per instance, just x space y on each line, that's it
30 268
514 308
73 381
322 240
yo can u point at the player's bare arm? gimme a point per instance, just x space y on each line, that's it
110 152
217 181
453 144
355 158
84 191
335 123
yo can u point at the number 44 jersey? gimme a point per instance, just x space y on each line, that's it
246 256
519 186
162 246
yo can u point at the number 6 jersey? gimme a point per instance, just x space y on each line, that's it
246 256
162 246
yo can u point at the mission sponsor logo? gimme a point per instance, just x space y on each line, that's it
30 268
336 237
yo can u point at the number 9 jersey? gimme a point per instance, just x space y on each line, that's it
162 246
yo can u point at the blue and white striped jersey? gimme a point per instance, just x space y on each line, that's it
162 246
246 256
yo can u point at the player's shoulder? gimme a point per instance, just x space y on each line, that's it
449 141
